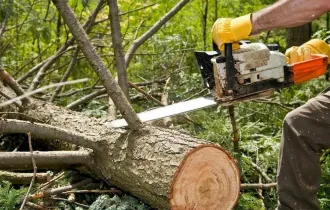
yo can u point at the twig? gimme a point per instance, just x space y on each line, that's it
59 190
124 13
66 200
258 186
85 99
138 42
146 94
258 169
113 191
138 29
274 103
34 171
66 74
40 90
35 206
50 182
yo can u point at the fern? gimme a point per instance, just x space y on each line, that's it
10 197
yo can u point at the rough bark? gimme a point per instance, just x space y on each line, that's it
298 35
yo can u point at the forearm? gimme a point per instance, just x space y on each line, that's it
288 13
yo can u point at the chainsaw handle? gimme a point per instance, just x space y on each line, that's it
230 66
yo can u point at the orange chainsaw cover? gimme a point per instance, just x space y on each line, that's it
307 70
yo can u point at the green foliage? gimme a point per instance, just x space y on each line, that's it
104 202
9 196
248 201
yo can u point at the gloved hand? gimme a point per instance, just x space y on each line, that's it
228 30
304 52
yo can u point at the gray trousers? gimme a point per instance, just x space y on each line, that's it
306 132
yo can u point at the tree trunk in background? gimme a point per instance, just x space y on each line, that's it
298 35
204 21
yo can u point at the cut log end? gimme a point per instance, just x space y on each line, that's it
208 178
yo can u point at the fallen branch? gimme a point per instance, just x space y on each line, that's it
35 206
49 132
50 182
23 178
112 191
68 201
258 186
258 169
46 160
34 171
59 190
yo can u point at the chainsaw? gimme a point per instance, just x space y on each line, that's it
252 72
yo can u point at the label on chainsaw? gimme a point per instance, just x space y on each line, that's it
170 110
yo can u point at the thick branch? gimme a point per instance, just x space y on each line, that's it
138 42
45 160
118 47
48 132
98 65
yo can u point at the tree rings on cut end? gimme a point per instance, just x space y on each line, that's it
207 179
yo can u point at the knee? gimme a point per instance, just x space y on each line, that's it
293 119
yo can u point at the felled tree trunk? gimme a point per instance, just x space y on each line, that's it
165 168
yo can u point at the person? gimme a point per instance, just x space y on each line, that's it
306 130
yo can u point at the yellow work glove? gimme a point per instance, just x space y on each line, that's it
228 30
304 52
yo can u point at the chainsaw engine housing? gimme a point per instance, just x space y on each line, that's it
256 68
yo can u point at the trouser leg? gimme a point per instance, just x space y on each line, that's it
306 132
